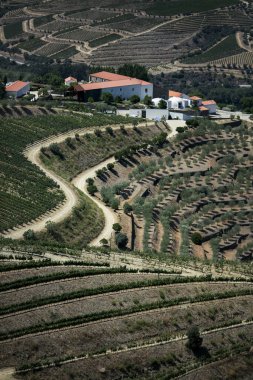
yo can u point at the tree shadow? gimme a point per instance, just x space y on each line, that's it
201 353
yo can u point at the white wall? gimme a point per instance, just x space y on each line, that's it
152 114
211 107
127 91
180 115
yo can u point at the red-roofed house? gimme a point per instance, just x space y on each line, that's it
17 89
115 85
104 76
196 100
70 80
175 94
204 111
211 105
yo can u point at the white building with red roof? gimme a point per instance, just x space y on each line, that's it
115 84
70 80
180 101
210 105
17 89
104 76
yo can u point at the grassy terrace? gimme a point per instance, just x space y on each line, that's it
25 191
184 6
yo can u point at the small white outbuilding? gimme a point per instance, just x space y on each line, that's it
178 103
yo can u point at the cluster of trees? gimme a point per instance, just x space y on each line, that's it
107 98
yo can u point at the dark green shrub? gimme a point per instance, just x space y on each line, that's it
196 238
121 240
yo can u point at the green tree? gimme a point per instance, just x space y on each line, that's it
147 100
107 97
194 339
196 238
121 240
92 189
134 99
117 227
104 242
109 130
114 204
90 181
29 235
110 166
134 71
162 104
127 208
118 99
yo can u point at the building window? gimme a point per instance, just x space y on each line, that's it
120 89
146 90
132 89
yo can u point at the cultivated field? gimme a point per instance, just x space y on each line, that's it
147 33
176 189
20 202
108 322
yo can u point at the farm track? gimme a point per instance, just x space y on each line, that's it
32 153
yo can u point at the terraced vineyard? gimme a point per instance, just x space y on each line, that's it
13 30
82 35
26 192
92 15
57 25
65 54
193 197
50 49
31 44
238 60
83 316
130 24
163 44
227 47
140 49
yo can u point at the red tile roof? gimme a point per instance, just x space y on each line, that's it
16 86
201 108
208 102
110 84
195 98
175 93
70 79
109 76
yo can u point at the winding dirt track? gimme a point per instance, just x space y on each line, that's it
110 216
71 198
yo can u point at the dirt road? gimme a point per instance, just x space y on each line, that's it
109 214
